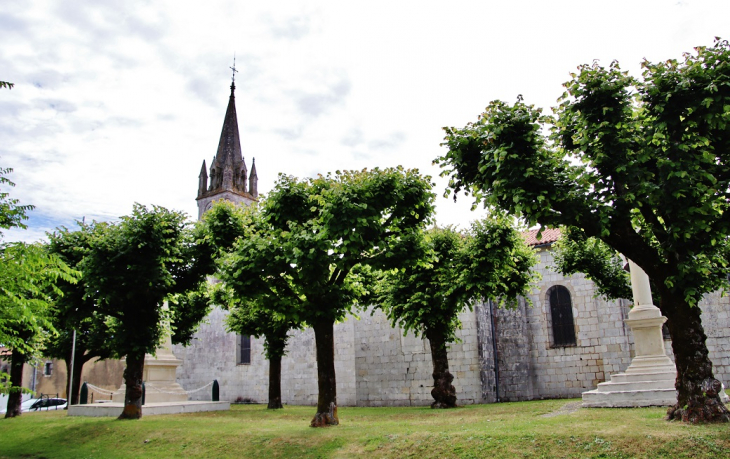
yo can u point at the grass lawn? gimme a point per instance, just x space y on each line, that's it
493 431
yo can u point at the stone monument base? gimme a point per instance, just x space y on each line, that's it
159 381
649 381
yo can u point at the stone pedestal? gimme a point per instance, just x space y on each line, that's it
159 378
649 380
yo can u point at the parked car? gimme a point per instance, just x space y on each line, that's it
25 406
44 404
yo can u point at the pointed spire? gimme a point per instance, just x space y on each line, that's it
228 158
253 180
228 171
203 180
243 177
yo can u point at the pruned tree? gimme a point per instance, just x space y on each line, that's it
132 269
449 272
76 313
251 319
651 178
305 258
223 225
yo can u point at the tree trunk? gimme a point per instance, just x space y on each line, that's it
15 397
324 337
275 383
698 391
443 392
133 395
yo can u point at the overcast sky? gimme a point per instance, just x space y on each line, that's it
117 102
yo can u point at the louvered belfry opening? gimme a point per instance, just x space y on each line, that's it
561 310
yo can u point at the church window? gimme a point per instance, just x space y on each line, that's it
244 350
561 313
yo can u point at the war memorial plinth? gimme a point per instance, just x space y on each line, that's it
649 379
163 395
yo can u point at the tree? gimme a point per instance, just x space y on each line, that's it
76 313
490 262
251 319
27 287
27 284
652 182
308 254
5 84
223 225
131 271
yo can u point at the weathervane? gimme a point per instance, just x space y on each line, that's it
233 78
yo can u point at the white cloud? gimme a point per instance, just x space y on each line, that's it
120 102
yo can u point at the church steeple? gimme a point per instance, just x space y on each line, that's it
229 177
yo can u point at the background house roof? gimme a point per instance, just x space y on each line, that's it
548 236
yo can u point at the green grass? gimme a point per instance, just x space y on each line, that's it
494 431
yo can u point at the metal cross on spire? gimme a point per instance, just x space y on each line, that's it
233 78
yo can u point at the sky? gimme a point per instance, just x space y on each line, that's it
118 102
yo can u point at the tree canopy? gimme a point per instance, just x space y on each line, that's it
643 165
307 251
449 272
132 270
575 253
76 310
222 226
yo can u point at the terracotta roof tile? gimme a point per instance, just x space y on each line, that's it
549 235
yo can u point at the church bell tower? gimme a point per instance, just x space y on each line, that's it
229 177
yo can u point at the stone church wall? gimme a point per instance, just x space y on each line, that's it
603 342
212 355
716 321
395 370
377 366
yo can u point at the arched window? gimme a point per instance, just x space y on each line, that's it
561 313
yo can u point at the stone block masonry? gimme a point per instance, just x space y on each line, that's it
506 351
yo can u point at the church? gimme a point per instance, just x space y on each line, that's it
566 343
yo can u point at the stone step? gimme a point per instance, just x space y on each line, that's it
614 386
648 376
629 398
